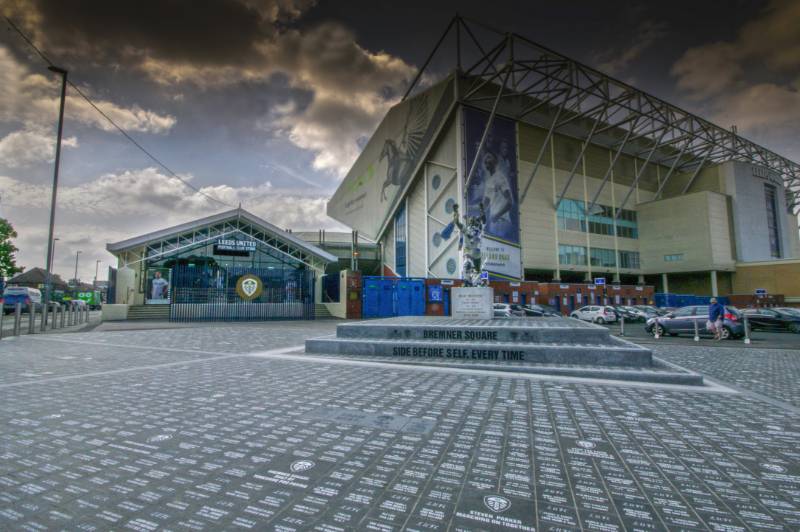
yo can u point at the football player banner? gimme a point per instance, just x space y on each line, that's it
494 184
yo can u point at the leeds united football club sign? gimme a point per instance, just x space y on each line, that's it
249 287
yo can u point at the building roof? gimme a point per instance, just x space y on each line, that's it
500 66
234 214
35 277
332 237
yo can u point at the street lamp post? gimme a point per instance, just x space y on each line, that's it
50 242
96 269
77 254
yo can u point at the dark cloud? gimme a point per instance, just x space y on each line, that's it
205 32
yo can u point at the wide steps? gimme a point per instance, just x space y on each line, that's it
498 341
148 312
321 312
550 353
541 330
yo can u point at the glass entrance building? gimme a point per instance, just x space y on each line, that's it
205 263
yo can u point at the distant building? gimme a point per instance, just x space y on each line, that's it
36 278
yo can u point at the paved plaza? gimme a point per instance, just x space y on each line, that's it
234 427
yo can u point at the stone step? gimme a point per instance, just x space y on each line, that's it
322 312
524 331
148 312
614 352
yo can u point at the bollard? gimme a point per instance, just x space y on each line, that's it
622 325
2 315
61 311
746 330
696 332
43 324
71 314
18 319
31 318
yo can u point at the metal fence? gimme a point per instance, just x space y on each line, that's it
286 295
685 300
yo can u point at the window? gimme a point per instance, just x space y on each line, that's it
772 221
629 259
685 311
676 257
400 241
572 216
603 258
575 255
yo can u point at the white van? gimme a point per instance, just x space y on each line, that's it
21 294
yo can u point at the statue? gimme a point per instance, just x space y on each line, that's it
471 234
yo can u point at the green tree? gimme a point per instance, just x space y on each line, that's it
8 265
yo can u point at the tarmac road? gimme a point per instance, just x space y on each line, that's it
760 339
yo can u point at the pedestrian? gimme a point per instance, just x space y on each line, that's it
716 313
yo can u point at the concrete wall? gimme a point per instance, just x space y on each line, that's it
745 185
115 312
695 225
388 247
776 277
339 310
417 240
127 287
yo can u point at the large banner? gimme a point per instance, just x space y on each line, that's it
381 173
494 184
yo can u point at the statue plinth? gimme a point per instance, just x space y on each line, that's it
472 303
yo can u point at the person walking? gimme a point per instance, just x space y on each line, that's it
716 314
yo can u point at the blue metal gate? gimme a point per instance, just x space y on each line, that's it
383 297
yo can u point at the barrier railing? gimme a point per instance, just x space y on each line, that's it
51 317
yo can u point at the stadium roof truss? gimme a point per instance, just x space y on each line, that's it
503 66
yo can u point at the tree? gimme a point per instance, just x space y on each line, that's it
8 265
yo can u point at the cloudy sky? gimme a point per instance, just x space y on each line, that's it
268 102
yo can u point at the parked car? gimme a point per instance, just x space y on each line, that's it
517 310
788 310
650 310
537 310
682 321
502 310
630 313
595 313
21 294
771 319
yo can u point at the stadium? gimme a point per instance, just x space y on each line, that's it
581 176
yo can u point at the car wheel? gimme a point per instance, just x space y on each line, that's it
658 329
600 321
725 334
795 328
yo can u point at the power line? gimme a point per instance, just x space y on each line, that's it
116 126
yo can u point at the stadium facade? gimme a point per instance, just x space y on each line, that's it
581 176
